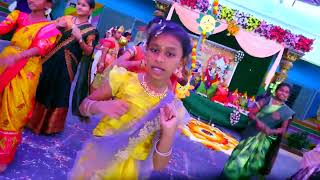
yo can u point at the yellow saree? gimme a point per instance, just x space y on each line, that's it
125 149
18 83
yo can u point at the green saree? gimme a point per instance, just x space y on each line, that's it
255 154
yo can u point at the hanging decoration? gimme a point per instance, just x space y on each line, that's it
207 23
239 56
233 28
234 117
252 24
194 55
269 31
215 7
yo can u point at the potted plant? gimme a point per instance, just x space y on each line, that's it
298 140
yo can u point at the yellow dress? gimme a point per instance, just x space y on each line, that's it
125 85
131 135
18 83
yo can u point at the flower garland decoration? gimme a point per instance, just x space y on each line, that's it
252 24
190 3
226 13
233 28
194 55
239 56
234 117
215 7
201 5
304 44
269 31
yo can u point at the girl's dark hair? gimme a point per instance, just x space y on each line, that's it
126 34
284 85
173 29
92 3
156 20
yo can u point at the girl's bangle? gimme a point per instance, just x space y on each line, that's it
166 154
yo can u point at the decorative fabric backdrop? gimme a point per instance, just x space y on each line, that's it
254 45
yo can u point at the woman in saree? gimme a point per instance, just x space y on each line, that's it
142 105
254 156
110 47
59 69
132 59
20 68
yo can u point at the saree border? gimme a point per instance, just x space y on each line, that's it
64 43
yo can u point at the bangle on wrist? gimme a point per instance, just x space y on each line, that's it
88 105
166 154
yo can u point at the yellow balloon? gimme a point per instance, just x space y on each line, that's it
194 50
193 57
193 65
216 8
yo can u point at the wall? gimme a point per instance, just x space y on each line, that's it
306 75
139 9
58 9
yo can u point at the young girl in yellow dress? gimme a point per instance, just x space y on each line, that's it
139 125
20 67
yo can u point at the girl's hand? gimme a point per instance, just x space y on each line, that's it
168 120
61 23
76 32
260 125
269 131
100 67
112 108
264 128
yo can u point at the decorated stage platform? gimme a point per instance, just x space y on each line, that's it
212 112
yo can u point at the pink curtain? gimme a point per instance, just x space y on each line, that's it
250 42
258 46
